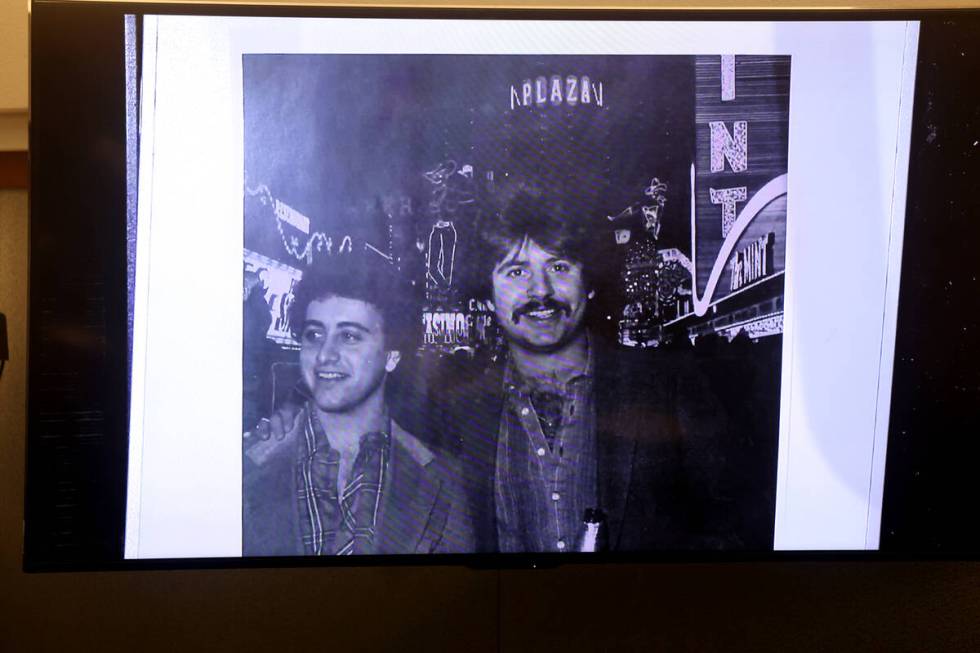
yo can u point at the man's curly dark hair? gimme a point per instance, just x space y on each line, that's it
365 276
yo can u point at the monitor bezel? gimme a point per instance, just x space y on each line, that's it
110 346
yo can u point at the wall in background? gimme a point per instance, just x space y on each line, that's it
13 75
13 391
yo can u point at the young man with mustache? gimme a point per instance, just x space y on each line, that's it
348 479
567 429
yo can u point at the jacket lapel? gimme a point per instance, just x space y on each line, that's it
615 445
410 494
478 417
615 471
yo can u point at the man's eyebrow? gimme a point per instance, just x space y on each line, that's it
340 325
510 261
513 261
353 325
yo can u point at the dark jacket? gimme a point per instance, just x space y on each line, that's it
660 461
423 508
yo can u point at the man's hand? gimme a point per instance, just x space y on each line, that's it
283 421
270 436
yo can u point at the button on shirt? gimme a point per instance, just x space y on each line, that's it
546 464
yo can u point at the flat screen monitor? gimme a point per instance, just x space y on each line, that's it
498 288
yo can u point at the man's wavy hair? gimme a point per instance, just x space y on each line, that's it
561 223
365 276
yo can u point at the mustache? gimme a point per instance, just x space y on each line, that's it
547 304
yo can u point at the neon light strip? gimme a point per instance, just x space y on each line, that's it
775 188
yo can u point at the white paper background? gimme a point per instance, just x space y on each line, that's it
850 109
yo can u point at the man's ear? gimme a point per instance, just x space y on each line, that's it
392 360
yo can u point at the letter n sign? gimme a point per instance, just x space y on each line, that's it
724 145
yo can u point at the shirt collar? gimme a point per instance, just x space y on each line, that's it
514 381
381 438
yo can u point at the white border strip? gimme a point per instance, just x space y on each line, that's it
140 300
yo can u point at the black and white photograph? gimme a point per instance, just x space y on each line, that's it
512 303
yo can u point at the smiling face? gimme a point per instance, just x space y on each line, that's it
342 356
539 297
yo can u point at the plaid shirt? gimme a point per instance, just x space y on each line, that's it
545 464
339 523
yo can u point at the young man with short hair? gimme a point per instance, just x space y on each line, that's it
347 479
